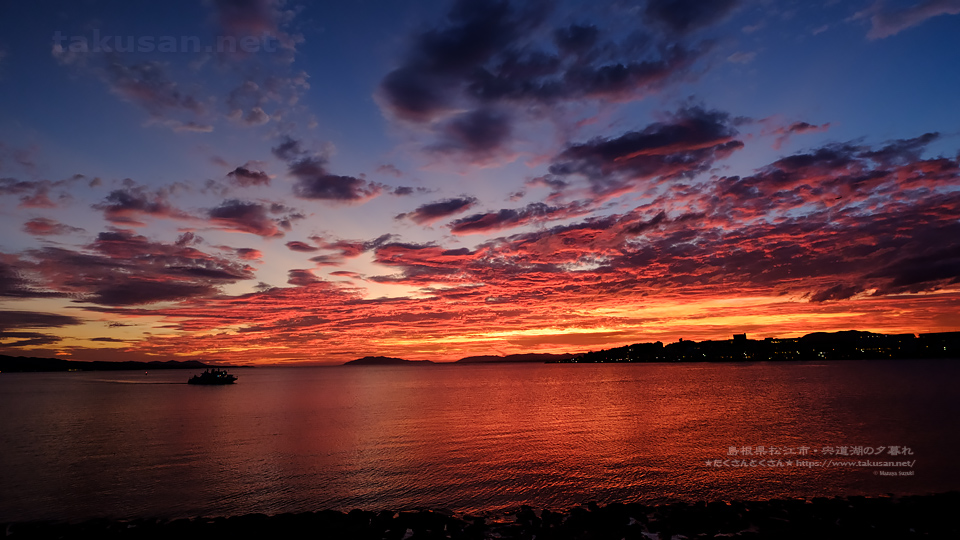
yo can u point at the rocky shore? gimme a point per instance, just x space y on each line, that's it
928 516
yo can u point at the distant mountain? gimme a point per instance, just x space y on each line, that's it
28 364
385 361
532 357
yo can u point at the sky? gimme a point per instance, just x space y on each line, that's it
283 182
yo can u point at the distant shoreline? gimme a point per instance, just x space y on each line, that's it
818 346
914 516
26 364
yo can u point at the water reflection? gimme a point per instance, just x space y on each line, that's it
464 437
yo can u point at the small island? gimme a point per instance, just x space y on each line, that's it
385 361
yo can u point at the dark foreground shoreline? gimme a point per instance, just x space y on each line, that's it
919 516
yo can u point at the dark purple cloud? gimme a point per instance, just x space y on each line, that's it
403 191
14 282
428 213
34 319
288 150
302 277
129 205
333 187
242 176
478 133
576 39
27 339
508 218
686 145
37 193
315 182
470 78
684 16
472 35
134 292
244 216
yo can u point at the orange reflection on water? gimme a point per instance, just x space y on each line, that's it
466 437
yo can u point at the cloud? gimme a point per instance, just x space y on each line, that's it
684 16
478 133
509 218
314 182
27 339
247 101
258 18
248 217
147 85
403 191
836 292
835 173
431 212
33 319
269 89
129 205
775 246
302 278
345 249
471 79
13 280
900 151
289 149
302 247
37 193
245 177
885 23
133 292
686 145
249 254
48 227
784 133
121 268
331 187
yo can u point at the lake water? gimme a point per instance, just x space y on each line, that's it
467 437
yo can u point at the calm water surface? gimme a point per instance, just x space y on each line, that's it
466 437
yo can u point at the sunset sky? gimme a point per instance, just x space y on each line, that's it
269 181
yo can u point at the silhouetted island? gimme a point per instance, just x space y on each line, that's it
21 364
385 361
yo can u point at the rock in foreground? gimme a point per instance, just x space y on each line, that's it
929 516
